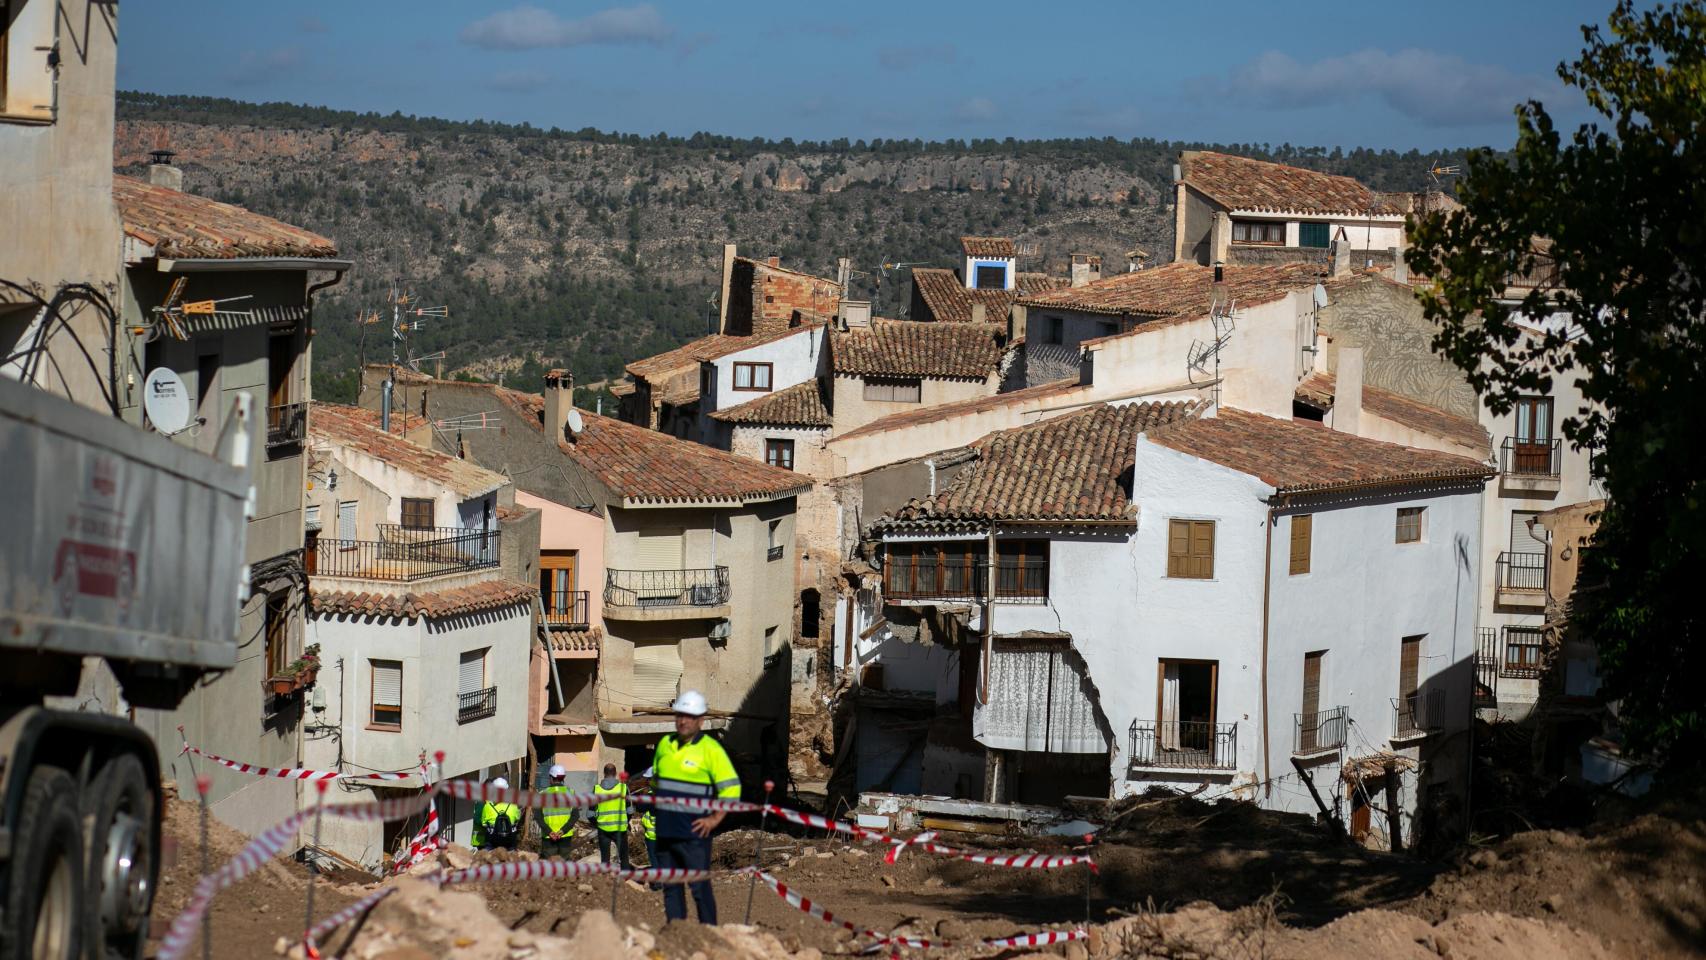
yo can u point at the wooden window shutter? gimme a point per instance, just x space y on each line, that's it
1302 533
1312 684
1409 667
1178 548
1202 549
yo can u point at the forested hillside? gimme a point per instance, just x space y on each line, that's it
589 249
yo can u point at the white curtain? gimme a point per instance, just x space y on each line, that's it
1170 707
1039 700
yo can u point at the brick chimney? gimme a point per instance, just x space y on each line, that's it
1086 268
559 400
1341 258
1347 392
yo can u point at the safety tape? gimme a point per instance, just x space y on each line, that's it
294 773
924 838
805 905
427 840
563 802
311 939
804 819
562 869
1018 861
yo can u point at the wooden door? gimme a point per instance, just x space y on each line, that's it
558 581
1309 728
1533 447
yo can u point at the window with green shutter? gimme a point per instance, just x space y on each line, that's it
1312 234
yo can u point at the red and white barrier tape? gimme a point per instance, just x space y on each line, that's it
804 819
1019 861
295 773
922 839
1039 939
311 939
521 797
427 840
804 905
561 869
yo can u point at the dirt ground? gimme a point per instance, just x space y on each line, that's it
1179 879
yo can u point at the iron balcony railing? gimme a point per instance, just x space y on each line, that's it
1319 731
775 553
1521 571
1531 458
477 705
1417 713
1524 653
924 578
568 608
286 424
1487 656
1195 744
402 554
704 587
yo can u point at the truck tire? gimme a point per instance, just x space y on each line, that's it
44 894
124 845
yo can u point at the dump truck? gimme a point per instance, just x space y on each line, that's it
125 553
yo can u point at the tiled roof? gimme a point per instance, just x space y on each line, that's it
1299 456
1240 183
707 348
645 465
432 604
583 641
949 300
903 348
1316 390
961 408
183 225
359 429
1181 289
800 405
1075 467
987 246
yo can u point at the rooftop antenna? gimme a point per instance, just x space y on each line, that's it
1439 170
895 267
407 317
1222 308
171 315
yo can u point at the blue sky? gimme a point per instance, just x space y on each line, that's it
1437 74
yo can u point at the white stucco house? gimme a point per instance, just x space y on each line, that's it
1214 598
755 370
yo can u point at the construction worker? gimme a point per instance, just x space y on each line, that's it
557 826
690 764
611 816
497 825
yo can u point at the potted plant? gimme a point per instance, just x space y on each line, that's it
300 673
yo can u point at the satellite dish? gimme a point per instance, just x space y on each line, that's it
1320 296
166 400
576 424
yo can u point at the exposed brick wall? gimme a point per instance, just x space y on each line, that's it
764 298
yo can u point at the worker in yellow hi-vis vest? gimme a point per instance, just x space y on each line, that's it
557 824
611 815
691 764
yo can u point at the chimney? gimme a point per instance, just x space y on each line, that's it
723 301
1400 269
1341 258
1086 268
979 314
1347 392
161 172
773 261
1220 237
843 273
559 400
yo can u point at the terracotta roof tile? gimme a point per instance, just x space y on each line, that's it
183 225
1240 183
641 464
800 405
584 641
961 408
431 604
1075 467
949 301
359 429
987 246
1316 390
1299 456
708 348
903 348
1178 289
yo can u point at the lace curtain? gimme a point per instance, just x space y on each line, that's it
1039 700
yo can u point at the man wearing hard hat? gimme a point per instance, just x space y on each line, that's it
557 824
690 764
497 824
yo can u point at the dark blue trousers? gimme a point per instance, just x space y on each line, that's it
687 853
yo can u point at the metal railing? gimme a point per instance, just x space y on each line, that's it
1531 458
703 587
286 424
1524 653
1521 571
1322 730
404 554
775 553
1196 744
477 705
1487 657
568 608
923 578
1417 714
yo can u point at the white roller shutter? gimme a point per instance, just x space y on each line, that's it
346 520
657 673
1522 541
387 683
659 549
471 671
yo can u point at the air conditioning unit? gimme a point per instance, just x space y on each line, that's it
704 595
719 630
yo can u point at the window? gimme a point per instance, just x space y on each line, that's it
942 569
1056 330
1302 532
894 390
26 43
1309 725
417 513
557 587
471 671
1313 234
1107 328
1258 231
1409 525
990 277
1190 549
775 546
1186 732
346 520
779 453
752 376
277 626
1523 647
1022 569
386 694
1533 441
1409 681
769 640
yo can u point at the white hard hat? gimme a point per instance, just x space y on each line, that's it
648 774
557 771
500 783
691 702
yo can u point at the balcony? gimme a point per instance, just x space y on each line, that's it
667 594
1530 466
1184 745
1416 715
1487 668
1320 732
923 579
406 554
287 425
477 705
1520 580
568 609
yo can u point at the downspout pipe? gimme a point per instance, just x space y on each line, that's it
1267 590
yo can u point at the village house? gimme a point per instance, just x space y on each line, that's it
892 366
985 285
423 630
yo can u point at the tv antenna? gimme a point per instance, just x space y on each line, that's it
171 316
1439 170
407 318
1222 308
894 267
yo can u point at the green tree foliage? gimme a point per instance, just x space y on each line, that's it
1622 213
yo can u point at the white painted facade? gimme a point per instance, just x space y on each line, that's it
795 358
1007 264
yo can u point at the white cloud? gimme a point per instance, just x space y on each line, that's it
1435 89
530 28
